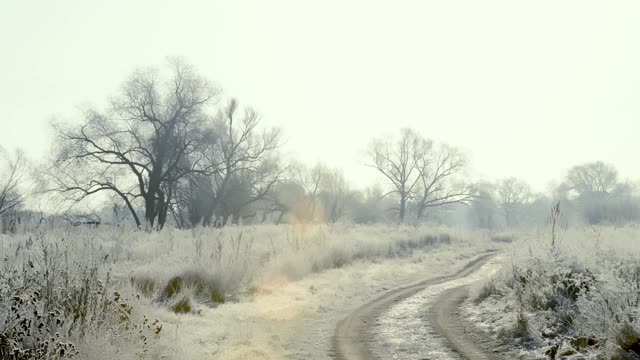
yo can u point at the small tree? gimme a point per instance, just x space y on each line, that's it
513 194
370 206
325 193
334 194
245 166
13 168
484 207
286 197
311 180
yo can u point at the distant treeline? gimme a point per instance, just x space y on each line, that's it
169 151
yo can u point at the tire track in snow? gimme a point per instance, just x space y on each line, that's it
394 325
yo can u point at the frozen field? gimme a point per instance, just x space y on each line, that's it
263 292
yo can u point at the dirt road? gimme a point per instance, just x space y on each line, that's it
459 335
353 341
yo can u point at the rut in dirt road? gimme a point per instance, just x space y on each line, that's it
443 317
354 340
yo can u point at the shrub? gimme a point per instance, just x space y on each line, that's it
55 304
203 288
488 289
144 285
183 306
573 297
628 339
502 238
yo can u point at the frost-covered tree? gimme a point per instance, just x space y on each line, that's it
245 166
149 138
441 171
483 212
420 173
597 194
592 178
398 161
13 169
335 194
513 194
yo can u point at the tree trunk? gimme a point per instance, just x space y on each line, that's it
150 209
420 212
163 208
133 213
403 206
225 218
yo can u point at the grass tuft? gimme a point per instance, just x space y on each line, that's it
183 306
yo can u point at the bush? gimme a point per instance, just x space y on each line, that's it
183 306
628 340
488 289
56 304
573 297
144 285
203 288
502 238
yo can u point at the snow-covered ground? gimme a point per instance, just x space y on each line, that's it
297 319
404 332
279 290
579 298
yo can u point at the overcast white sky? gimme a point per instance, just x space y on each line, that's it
526 88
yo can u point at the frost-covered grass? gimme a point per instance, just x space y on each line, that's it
59 300
577 297
96 293
238 259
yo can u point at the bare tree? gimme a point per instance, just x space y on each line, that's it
246 188
246 166
484 208
142 146
370 206
398 161
311 180
311 194
512 195
13 168
592 178
334 194
440 171
285 198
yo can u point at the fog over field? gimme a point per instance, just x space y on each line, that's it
334 180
